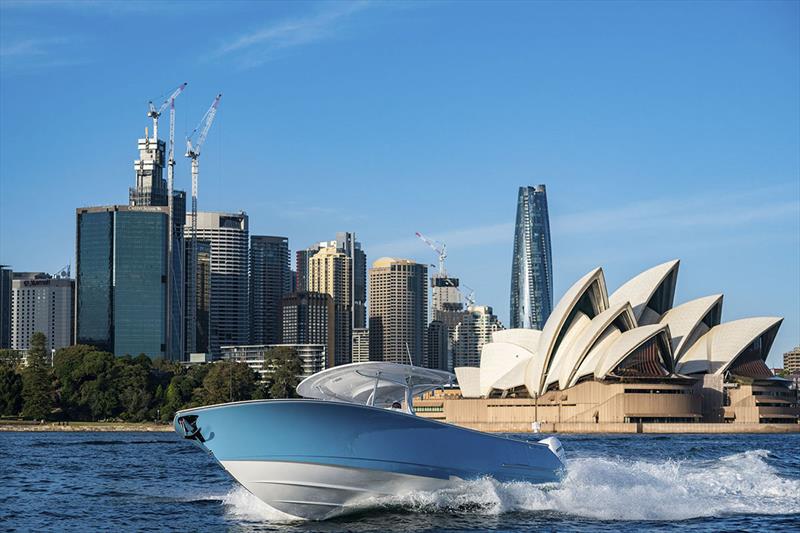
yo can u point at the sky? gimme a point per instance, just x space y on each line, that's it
661 129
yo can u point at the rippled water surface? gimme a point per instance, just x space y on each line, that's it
156 481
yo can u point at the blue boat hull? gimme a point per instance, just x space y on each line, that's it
316 459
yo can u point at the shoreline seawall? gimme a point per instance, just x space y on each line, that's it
85 426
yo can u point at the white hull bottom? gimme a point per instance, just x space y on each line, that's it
316 492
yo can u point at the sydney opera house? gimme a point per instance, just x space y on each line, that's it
631 357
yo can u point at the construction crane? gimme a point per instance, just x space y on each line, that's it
155 113
193 152
469 297
439 247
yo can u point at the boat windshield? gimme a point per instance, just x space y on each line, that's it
374 383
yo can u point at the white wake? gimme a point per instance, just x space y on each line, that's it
601 488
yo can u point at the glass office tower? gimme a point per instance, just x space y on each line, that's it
532 264
122 282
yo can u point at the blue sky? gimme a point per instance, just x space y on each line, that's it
662 130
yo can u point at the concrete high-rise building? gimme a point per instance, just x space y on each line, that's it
532 263
41 302
398 310
347 244
122 281
438 352
151 187
308 319
330 273
5 306
360 345
202 295
791 360
472 333
228 235
151 190
270 281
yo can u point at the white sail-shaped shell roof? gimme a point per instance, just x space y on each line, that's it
640 291
626 343
565 366
715 352
589 335
502 361
592 286
690 320
526 338
469 381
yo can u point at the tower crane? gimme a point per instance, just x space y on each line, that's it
155 113
193 152
439 247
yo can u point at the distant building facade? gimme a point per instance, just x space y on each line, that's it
40 302
360 345
532 262
308 319
347 244
311 356
438 351
791 360
330 273
5 306
228 235
270 281
398 310
474 331
122 281
151 190
198 330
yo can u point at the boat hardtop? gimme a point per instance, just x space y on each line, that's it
375 384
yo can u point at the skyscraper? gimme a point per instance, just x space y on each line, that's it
269 283
398 311
228 235
5 306
330 273
197 342
472 333
532 263
122 281
438 350
308 319
151 190
347 244
40 302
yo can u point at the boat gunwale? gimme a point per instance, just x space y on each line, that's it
184 412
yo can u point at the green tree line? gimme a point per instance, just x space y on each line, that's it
85 384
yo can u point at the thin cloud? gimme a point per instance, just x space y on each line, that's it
29 47
255 48
708 212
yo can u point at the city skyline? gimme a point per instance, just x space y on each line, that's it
669 161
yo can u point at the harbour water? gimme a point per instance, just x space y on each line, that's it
156 481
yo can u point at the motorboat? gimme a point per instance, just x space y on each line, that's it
353 438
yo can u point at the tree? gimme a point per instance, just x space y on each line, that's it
67 369
12 358
37 392
227 381
132 380
286 370
10 390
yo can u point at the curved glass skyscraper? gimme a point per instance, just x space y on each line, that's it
532 264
